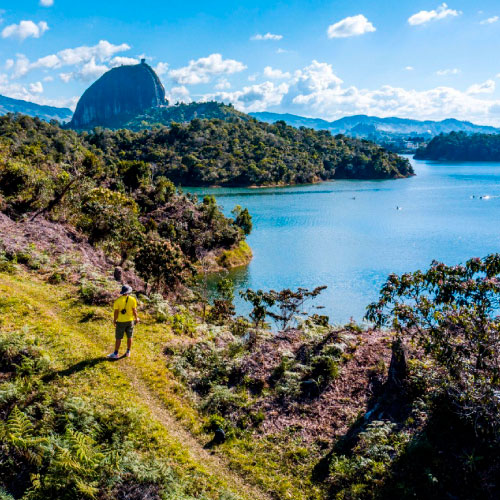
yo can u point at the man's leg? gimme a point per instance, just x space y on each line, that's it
130 334
118 340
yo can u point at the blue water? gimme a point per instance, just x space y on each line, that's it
349 235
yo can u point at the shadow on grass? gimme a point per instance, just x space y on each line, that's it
78 367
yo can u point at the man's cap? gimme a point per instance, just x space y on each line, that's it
126 289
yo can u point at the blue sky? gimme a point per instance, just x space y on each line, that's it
415 59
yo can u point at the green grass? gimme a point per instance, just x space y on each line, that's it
77 337
54 319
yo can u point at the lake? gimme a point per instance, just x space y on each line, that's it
349 235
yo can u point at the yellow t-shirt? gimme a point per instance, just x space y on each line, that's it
131 303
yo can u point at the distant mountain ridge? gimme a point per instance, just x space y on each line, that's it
365 126
47 113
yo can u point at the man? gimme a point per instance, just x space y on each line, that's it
125 314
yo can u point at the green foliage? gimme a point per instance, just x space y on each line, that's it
287 303
161 263
460 146
118 201
236 150
451 312
358 476
223 308
243 219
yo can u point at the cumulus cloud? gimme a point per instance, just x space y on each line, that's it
161 68
123 61
267 36
78 56
275 74
32 93
36 88
202 70
46 3
447 72
487 87
253 98
426 16
25 29
316 90
490 20
223 84
178 94
409 68
350 26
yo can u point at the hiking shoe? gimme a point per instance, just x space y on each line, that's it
127 354
113 355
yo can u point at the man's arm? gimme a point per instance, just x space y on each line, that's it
115 317
134 312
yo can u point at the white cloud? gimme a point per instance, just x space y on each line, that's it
448 71
161 68
123 61
223 84
103 51
66 77
48 79
178 94
281 51
425 16
487 87
317 91
490 20
46 3
267 36
89 72
409 68
350 26
36 88
253 98
17 91
202 70
21 66
25 29
275 74
78 56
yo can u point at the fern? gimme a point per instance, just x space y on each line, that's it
87 489
19 428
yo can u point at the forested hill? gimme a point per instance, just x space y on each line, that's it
242 153
8 105
459 146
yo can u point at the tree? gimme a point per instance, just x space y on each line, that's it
223 308
290 303
242 219
111 217
452 314
259 300
162 264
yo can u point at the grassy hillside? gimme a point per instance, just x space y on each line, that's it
310 413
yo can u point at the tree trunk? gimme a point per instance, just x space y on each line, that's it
398 368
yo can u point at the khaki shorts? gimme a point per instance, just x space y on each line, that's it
124 327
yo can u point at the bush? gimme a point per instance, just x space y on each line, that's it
93 294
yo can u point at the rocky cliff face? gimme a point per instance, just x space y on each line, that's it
121 92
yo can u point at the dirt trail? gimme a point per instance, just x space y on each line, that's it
214 463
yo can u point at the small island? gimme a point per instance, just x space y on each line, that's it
460 146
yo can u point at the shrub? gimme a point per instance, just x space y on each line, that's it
452 313
324 369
